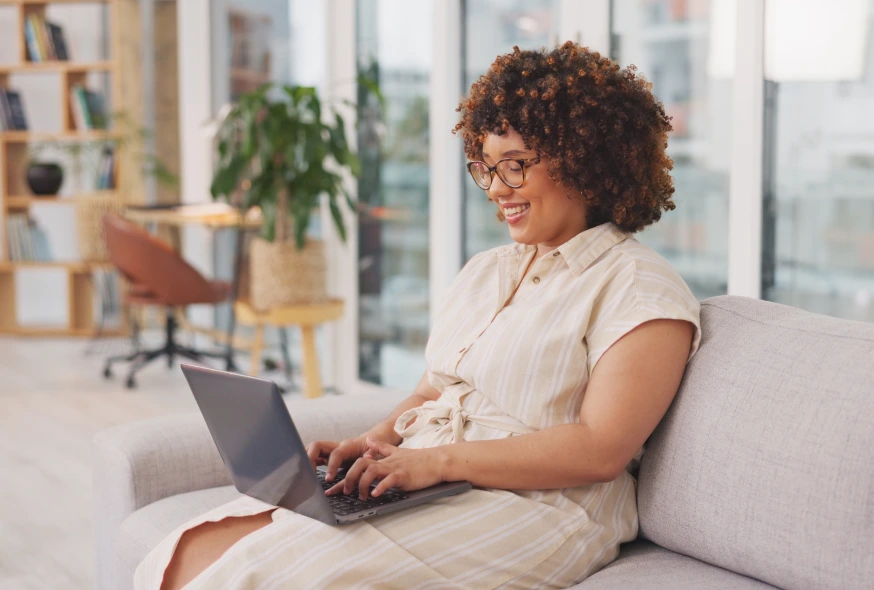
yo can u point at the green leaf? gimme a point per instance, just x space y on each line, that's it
338 218
373 87
354 164
227 178
350 202
268 211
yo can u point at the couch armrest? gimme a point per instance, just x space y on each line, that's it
143 462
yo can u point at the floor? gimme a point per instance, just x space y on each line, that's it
53 399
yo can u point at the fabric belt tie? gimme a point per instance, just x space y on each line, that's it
449 415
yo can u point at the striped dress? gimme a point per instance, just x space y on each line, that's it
509 359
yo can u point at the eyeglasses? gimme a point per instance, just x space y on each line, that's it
511 172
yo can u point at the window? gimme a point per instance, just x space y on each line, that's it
686 50
818 239
393 190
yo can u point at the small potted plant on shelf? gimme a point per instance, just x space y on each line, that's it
279 151
44 178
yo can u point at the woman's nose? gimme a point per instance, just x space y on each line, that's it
498 189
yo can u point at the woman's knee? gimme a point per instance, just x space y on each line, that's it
201 546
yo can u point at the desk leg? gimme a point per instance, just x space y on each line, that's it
239 253
311 362
257 345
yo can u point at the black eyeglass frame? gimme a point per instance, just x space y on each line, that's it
493 171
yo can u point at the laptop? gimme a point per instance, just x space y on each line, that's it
267 459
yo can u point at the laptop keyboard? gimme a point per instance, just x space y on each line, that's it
345 505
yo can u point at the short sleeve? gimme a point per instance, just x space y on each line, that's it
638 292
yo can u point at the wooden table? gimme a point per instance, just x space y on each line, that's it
307 316
207 215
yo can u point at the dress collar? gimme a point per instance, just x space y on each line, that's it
581 250
586 247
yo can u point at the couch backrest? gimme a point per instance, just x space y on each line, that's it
764 464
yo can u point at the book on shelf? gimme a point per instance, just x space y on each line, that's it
59 44
28 242
96 109
89 111
30 37
106 170
12 110
45 40
79 106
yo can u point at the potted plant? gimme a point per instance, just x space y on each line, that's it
43 177
279 151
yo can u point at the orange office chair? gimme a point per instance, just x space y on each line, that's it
157 276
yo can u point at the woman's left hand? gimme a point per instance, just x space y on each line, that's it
404 469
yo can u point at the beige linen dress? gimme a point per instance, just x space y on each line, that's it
506 364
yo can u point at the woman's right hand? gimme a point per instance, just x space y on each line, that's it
346 452
336 454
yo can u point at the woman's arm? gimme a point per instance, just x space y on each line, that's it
629 392
335 454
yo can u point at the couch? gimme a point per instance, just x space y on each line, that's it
760 475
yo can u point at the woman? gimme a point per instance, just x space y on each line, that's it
552 361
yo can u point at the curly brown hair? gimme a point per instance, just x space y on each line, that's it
599 126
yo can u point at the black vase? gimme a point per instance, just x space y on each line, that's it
45 178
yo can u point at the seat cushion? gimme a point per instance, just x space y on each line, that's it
144 529
763 465
644 565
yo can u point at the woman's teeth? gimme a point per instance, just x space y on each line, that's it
516 210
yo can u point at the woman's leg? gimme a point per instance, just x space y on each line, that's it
201 546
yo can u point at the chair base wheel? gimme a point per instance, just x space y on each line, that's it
130 384
107 373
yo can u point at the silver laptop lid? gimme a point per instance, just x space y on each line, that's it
258 441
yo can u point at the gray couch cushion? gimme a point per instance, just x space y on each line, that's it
643 565
764 464
144 529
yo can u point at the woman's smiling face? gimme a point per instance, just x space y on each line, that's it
538 213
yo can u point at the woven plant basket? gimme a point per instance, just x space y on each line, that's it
89 224
280 274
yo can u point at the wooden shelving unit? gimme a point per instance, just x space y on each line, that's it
14 147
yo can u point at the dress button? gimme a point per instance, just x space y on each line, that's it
556 253
535 280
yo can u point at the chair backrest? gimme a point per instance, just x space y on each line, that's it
764 464
149 262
